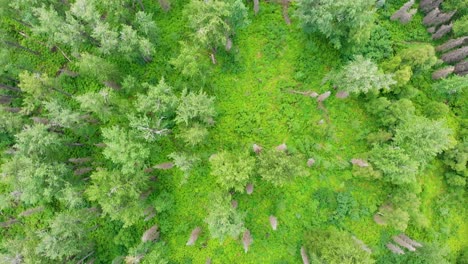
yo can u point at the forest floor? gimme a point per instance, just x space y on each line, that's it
255 106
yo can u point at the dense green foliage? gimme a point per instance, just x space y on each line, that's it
343 22
191 131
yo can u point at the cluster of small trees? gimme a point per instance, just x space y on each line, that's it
213 25
233 172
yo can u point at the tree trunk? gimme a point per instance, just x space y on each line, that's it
285 4
165 5
228 43
256 6
442 31
8 87
462 68
442 73
453 43
5 99
16 45
213 59
12 109
456 55
60 91
141 5
427 5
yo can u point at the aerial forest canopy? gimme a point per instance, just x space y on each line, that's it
234 131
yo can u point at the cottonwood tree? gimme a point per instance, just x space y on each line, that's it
232 170
342 22
391 113
119 194
223 220
396 165
37 87
145 24
107 37
423 138
35 170
123 149
451 86
194 114
419 56
361 76
98 23
279 167
155 110
67 236
407 200
394 217
184 162
194 135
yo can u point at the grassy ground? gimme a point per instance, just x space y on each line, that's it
251 85
254 106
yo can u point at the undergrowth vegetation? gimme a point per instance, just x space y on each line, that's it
198 131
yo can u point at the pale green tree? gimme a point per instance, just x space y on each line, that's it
195 107
67 236
395 164
342 22
36 181
335 247
119 194
123 149
232 170
223 220
280 167
423 138
361 76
